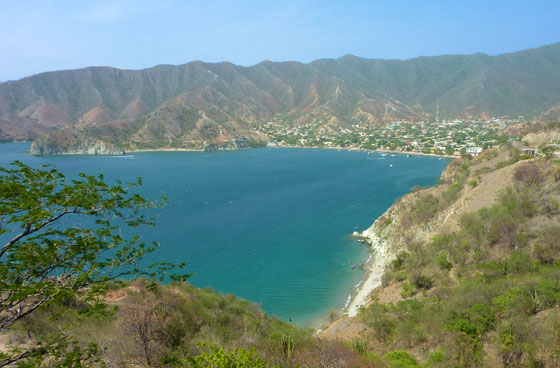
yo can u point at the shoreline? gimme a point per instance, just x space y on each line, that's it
179 149
299 147
379 258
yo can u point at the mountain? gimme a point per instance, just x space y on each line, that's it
212 105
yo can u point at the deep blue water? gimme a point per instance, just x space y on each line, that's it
269 225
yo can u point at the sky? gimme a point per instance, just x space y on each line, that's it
45 35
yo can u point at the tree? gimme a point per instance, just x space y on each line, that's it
63 239
449 150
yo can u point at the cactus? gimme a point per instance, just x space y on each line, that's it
360 346
288 346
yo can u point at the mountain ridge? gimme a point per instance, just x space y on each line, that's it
198 103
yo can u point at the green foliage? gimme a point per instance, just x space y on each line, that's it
473 183
62 352
399 262
425 208
436 359
504 291
288 347
361 346
525 157
442 262
407 290
452 193
422 281
62 240
377 316
213 356
401 359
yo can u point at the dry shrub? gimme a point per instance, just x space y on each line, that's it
528 173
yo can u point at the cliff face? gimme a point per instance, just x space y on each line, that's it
69 142
233 144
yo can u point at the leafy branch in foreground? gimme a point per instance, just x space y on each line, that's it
60 239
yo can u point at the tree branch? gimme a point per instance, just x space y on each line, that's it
29 229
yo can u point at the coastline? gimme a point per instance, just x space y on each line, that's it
375 267
299 147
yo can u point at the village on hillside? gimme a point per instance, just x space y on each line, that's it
446 137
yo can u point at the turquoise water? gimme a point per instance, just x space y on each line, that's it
269 225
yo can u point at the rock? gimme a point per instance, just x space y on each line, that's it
68 141
233 144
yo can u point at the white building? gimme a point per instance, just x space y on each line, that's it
474 151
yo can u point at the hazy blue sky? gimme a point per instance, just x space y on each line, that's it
43 35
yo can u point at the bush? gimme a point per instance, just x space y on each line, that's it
361 346
399 262
547 247
401 359
408 291
212 356
436 359
452 193
423 282
424 209
528 173
442 262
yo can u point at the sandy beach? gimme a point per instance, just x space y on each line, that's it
413 153
375 270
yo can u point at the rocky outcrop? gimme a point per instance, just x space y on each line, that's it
233 144
70 142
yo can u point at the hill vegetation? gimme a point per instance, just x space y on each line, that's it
474 281
475 277
197 104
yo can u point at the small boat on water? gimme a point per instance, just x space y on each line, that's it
391 165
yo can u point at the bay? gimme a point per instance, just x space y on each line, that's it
269 225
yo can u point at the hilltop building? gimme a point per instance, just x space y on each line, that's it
474 151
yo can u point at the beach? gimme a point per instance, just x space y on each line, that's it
375 269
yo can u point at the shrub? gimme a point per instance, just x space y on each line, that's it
361 346
212 356
528 173
388 221
452 193
401 359
442 262
423 282
436 359
399 262
408 291
424 209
